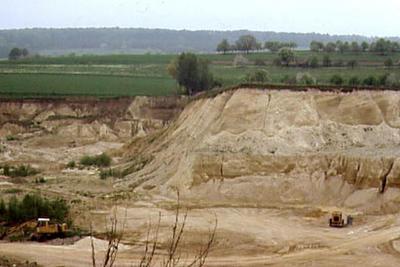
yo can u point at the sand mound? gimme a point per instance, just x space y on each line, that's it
266 146
99 244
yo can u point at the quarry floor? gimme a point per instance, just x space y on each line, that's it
250 237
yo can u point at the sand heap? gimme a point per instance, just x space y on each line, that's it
266 147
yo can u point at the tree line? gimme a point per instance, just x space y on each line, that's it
248 43
304 78
31 207
381 46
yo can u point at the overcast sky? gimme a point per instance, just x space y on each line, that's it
366 17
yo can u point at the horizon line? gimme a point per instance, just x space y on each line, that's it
191 30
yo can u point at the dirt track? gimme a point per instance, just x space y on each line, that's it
286 238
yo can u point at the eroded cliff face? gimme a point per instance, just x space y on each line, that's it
104 119
263 146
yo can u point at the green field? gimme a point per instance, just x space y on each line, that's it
131 75
29 85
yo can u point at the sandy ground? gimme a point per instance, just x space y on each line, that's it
245 237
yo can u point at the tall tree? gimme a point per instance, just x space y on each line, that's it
193 73
326 61
343 46
15 54
246 43
316 46
272 46
330 47
25 52
224 46
364 46
286 55
355 47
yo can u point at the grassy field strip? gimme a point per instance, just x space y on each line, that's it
165 59
80 73
56 84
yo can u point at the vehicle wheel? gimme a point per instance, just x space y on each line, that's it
33 237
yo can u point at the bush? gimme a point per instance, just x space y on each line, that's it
12 191
313 62
259 62
102 160
370 81
6 170
354 81
352 64
3 210
382 79
389 63
23 171
240 61
286 56
104 174
305 79
336 80
71 164
288 79
326 61
41 180
277 62
260 76
391 80
339 63
20 171
11 138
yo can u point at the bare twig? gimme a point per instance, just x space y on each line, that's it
177 233
148 257
203 253
92 246
114 237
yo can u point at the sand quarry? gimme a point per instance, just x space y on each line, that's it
270 165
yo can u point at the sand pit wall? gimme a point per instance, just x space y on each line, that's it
248 144
106 119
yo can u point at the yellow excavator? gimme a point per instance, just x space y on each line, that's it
337 220
46 229
39 230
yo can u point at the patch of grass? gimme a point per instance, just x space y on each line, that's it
104 174
71 164
20 171
12 191
102 160
11 138
40 180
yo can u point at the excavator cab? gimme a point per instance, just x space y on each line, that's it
336 220
45 228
